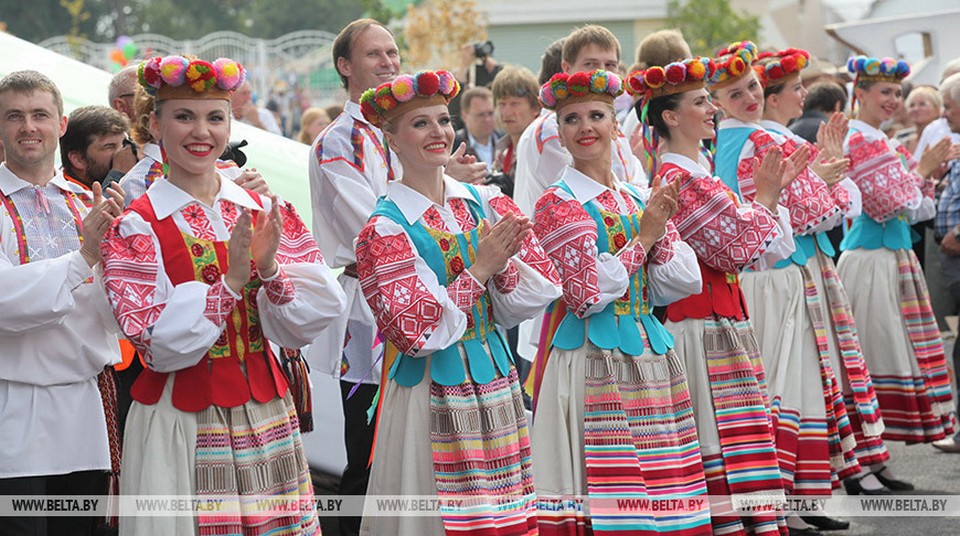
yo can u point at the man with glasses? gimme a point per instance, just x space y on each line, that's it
122 91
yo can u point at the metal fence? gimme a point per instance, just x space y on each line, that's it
275 66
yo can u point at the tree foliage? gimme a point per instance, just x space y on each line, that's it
709 25
105 20
436 29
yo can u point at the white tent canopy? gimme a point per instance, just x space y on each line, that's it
283 162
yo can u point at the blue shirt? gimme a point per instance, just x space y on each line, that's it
948 209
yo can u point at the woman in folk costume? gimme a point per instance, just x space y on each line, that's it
441 263
812 433
613 415
202 274
837 335
713 333
898 333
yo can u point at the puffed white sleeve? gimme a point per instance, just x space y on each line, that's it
303 297
673 271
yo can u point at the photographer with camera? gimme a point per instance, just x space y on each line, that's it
477 69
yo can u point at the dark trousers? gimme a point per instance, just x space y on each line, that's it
951 273
358 438
79 483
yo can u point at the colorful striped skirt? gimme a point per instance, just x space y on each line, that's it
901 343
251 457
812 434
467 442
611 427
728 391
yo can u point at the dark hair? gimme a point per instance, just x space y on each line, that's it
655 112
343 44
85 124
552 61
823 97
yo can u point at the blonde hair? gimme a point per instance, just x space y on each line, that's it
309 116
662 47
929 92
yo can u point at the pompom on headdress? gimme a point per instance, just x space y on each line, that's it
392 99
176 77
774 68
657 81
569 88
732 63
878 69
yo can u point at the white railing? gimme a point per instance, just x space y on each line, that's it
301 58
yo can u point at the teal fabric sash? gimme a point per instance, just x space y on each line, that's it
730 142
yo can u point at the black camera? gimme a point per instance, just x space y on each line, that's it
482 50
233 152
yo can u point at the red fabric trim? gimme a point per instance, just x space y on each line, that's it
719 297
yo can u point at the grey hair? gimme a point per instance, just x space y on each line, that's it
119 80
950 88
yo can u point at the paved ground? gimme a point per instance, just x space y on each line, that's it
931 471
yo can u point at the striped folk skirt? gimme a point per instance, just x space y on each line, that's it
467 442
728 390
812 434
250 456
609 427
901 343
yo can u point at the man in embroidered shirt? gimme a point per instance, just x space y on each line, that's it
350 166
56 329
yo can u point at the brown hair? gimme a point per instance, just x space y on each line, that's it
143 106
343 44
591 34
516 82
552 61
662 47
478 92
26 82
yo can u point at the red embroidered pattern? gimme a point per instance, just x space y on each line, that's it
465 291
663 250
130 271
220 303
279 289
887 186
531 252
196 218
807 198
434 220
405 309
725 236
569 236
506 281
462 215
296 243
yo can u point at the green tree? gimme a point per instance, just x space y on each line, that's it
709 25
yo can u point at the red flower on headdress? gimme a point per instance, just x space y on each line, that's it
776 71
635 82
366 107
579 84
200 75
428 83
654 77
789 63
151 71
676 73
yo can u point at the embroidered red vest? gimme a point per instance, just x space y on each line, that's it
219 378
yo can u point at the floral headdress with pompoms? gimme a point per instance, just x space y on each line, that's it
392 99
568 88
176 77
878 69
656 81
773 68
732 63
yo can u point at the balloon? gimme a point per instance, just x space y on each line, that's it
123 40
117 57
129 50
